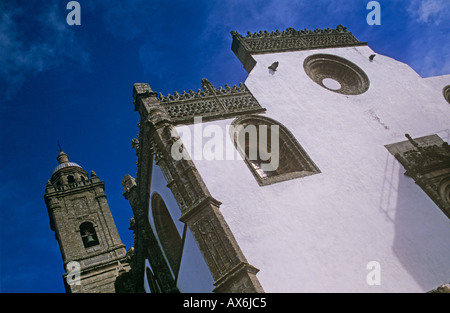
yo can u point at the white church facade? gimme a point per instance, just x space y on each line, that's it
348 192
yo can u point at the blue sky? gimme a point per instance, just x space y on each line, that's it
74 84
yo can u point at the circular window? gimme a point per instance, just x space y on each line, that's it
336 74
446 92
332 84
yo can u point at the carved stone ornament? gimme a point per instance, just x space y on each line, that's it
209 103
427 161
289 40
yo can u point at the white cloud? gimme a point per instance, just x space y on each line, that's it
33 43
429 57
428 51
429 11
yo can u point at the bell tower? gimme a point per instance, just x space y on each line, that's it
93 254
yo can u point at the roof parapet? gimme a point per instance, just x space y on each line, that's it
289 40
211 103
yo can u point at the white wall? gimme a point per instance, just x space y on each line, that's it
318 233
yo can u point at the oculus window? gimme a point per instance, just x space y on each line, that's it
336 74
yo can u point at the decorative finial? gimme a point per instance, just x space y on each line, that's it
59 145
62 157
207 86
415 144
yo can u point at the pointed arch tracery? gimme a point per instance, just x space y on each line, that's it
270 150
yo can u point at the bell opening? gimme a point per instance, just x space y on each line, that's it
88 235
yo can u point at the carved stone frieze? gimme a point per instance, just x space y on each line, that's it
289 40
209 103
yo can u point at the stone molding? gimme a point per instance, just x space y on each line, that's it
289 40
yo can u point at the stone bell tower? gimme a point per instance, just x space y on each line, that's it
93 254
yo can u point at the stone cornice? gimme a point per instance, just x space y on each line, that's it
73 188
181 108
289 40
210 103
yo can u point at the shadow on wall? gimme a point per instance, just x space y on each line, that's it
422 232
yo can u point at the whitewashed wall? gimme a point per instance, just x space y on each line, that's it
318 233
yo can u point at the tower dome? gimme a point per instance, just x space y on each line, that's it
67 172
63 160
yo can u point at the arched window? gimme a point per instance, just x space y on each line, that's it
167 232
270 150
70 179
151 281
88 235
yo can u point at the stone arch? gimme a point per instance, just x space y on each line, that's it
167 232
288 159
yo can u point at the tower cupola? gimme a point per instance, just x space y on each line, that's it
67 172
62 157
